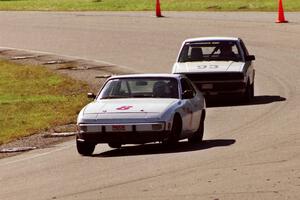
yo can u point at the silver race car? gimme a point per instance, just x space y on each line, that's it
143 108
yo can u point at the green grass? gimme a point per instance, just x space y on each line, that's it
147 5
32 99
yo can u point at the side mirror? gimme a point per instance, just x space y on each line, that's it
91 95
187 94
250 58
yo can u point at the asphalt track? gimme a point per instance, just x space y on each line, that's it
250 151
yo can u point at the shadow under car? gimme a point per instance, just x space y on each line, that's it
159 148
226 101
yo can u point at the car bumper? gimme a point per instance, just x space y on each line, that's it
221 88
123 138
122 133
223 83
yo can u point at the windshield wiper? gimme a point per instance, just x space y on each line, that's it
115 97
141 96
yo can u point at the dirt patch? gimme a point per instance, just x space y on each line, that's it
213 7
92 72
39 140
80 69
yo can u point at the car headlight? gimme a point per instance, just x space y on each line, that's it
81 128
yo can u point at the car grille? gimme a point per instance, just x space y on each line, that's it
203 77
219 82
221 86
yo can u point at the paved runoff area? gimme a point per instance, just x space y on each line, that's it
249 151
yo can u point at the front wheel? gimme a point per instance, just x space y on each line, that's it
175 131
249 93
197 137
84 148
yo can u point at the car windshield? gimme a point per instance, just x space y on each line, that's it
210 51
140 88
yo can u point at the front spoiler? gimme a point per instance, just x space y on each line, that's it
123 137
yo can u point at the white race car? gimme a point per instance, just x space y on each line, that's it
142 108
217 66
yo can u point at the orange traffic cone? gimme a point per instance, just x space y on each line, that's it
158 12
281 18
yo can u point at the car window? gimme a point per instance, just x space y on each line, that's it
210 51
186 85
140 88
244 48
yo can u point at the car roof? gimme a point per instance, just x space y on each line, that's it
198 39
153 75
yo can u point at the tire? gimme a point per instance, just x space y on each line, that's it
249 93
175 131
197 137
252 90
84 148
115 145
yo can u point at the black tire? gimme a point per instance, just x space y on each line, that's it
197 137
84 148
175 131
115 145
249 93
252 90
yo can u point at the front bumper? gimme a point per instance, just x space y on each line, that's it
219 83
123 138
221 87
122 133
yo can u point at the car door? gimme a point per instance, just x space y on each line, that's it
248 67
191 108
197 105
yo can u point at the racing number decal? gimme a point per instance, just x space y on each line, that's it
124 108
207 66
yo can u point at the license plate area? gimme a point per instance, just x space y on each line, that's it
119 128
207 86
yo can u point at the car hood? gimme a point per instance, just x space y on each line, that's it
126 110
208 66
141 105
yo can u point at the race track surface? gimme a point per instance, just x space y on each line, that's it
250 151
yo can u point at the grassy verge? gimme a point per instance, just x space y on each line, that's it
145 5
33 98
